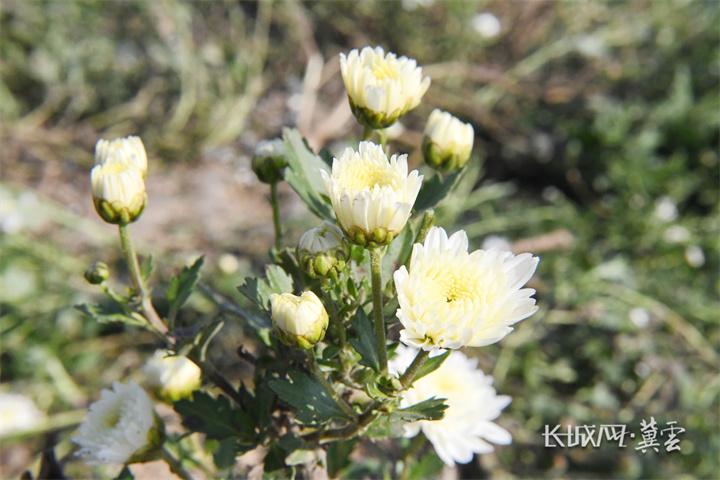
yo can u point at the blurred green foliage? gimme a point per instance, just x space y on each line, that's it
598 126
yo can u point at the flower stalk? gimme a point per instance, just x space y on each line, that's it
276 214
376 256
138 282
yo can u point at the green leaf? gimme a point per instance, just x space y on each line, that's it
303 174
147 268
227 451
435 189
364 341
307 396
430 365
430 409
182 285
259 290
338 456
215 417
125 474
429 466
397 252
103 313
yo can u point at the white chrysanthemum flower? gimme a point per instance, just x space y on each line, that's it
372 197
174 376
18 413
120 428
128 150
467 426
381 87
118 191
298 321
486 25
665 209
450 298
447 142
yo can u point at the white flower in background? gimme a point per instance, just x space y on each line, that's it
118 191
129 150
486 25
447 142
372 197
695 256
410 5
18 413
323 251
467 426
120 428
269 160
665 209
640 317
174 376
450 298
497 242
676 234
381 87
298 321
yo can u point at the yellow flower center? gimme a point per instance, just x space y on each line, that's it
113 168
366 176
455 286
112 418
382 69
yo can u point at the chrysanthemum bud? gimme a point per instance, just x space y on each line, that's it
447 142
371 195
381 87
298 321
269 160
323 251
174 377
97 273
128 150
118 191
122 427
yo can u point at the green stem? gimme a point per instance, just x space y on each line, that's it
427 222
328 388
175 465
276 214
145 300
376 255
407 378
367 132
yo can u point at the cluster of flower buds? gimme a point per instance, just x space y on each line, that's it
322 251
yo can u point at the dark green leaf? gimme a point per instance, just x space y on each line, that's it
338 456
430 365
435 189
430 409
182 285
259 290
364 340
215 417
125 474
228 449
303 174
307 396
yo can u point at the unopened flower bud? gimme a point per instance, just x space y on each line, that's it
97 273
447 142
298 321
173 376
128 150
269 160
118 191
323 251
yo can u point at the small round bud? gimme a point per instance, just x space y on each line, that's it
118 191
323 251
447 142
269 161
97 273
298 321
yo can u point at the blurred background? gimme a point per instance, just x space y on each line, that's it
597 126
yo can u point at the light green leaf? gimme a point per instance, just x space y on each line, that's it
182 285
111 314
